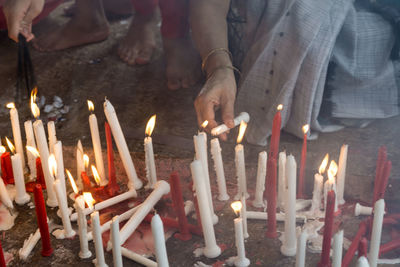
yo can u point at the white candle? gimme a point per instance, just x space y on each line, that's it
98 155
260 183
341 175
240 172
243 215
98 242
241 260
106 203
362 262
243 116
30 141
288 247
17 133
316 199
80 164
337 249
4 196
301 249
280 217
281 180
362 210
211 250
21 196
60 175
157 230
29 244
44 156
138 258
51 130
150 163
200 145
116 242
379 211
134 181
62 203
161 188
82 224
219 169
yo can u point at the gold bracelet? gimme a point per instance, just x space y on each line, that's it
204 62
224 67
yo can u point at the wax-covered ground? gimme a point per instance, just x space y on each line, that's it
95 71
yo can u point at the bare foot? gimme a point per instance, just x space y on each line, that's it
183 63
139 43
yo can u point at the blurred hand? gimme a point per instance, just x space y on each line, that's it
219 91
19 15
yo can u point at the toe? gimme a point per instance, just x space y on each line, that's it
173 84
144 56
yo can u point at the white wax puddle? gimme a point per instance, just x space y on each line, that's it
231 261
6 218
198 252
201 264
59 233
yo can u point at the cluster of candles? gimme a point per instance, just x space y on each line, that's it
47 166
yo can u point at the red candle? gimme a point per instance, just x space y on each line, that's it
270 195
328 229
300 187
39 173
41 215
389 246
2 260
276 133
177 200
380 164
112 187
384 180
85 181
354 244
363 247
169 222
6 168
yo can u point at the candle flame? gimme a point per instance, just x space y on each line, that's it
90 105
89 199
306 128
204 124
52 165
33 95
324 163
72 182
242 130
10 105
86 160
33 151
236 206
96 175
150 125
332 170
34 108
279 107
2 149
10 145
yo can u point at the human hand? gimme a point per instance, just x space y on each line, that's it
19 15
219 91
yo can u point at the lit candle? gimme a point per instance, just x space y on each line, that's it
288 247
112 187
260 182
6 166
21 196
16 132
85 178
211 249
134 181
300 188
240 259
4 196
341 175
276 132
318 184
177 201
330 184
157 230
98 242
98 155
80 164
82 224
39 171
326 243
30 141
72 182
239 163
200 146
243 116
51 130
29 244
96 175
219 169
379 211
270 195
116 243
337 249
301 249
149 154
41 216
161 188
281 180
44 155
243 215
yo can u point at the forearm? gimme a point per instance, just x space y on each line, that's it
209 31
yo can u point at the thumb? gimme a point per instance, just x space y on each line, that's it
227 110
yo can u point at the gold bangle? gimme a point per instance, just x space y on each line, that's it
224 67
204 62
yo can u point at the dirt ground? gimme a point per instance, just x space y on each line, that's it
95 72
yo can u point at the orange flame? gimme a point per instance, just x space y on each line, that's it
33 151
89 199
10 105
2 149
96 175
86 160
242 130
34 107
90 105
72 181
204 124
332 170
323 165
10 145
150 125
52 165
236 206
306 128
279 107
